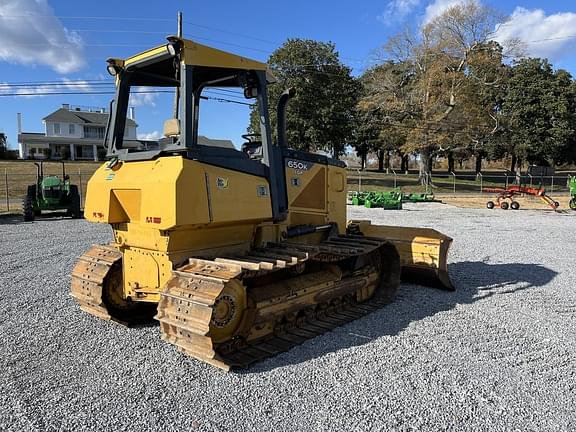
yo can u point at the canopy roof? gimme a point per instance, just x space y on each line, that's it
196 54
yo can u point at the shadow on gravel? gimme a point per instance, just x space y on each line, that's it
11 220
474 280
17 219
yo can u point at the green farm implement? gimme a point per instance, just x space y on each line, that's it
391 200
418 197
51 193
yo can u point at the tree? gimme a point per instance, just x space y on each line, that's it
321 115
3 145
540 107
476 123
383 110
441 54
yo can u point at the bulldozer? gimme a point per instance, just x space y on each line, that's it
51 193
239 254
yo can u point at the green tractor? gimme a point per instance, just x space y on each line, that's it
573 193
51 193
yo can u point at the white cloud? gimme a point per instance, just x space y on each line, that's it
30 34
30 91
141 99
150 136
544 36
396 10
437 8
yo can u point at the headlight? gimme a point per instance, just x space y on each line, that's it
172 49
112 70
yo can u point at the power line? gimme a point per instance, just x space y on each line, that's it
58 81
82 93
227 101
77 93
233 33
551 39
111 18
144 19
57 85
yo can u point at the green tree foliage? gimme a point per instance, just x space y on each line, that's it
540 110
321 115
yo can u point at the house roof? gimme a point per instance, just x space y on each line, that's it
82 117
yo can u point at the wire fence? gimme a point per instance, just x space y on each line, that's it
455 183
15 185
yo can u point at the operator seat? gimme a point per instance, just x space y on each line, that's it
172 128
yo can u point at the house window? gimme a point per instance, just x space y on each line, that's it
71 129
93 132
56 128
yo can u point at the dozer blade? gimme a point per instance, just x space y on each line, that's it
423 251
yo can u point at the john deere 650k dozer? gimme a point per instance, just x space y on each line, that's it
51 193
239 254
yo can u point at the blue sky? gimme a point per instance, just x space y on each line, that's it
67 43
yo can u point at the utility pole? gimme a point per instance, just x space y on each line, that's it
177 92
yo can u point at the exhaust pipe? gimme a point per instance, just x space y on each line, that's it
281 115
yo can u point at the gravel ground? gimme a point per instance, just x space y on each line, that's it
498 354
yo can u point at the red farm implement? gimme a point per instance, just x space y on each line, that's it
512 191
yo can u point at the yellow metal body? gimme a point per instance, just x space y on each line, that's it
167 210
317 195
233 264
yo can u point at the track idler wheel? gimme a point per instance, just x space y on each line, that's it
120 309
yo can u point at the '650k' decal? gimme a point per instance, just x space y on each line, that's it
298 165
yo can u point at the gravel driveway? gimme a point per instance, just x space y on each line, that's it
498 354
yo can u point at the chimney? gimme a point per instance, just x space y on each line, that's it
66 106
19 117
132 116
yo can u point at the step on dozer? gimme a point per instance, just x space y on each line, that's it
239 255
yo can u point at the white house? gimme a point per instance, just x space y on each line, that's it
75 133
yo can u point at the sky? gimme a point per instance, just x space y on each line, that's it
66 44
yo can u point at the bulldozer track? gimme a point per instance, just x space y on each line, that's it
88 278
188 305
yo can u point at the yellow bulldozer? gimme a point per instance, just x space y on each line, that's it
239 254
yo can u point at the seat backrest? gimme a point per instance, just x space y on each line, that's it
172 128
